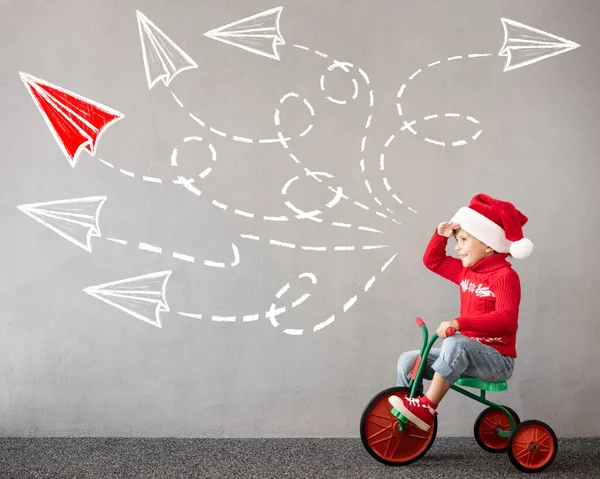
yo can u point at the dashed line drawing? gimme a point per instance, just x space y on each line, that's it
182 256
277 120
524 45
188 183
339 193
271 314
76 220
258 33
285 244
173 162
163 59
275 311
143 297
76 122
346 66
409 125
281 139
314 214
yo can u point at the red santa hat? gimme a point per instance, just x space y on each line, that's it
496 223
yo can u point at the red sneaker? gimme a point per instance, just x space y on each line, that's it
417 411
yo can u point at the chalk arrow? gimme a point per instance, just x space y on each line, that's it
257 34
75 220
76 122
142 297
163 59
524 45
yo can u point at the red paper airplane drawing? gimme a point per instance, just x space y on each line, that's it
75 121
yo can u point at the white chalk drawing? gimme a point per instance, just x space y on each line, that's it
142 297
142 246
347 67
173 162
76 122
339 193
277 310
76 220
163 59
409 126
258 34
285 244
271 314
524 45
314 214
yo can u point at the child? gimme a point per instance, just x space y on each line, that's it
486 233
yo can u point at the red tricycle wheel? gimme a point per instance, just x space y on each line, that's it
532 446
486 425
381 437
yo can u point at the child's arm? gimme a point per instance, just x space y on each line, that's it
504 320
436 259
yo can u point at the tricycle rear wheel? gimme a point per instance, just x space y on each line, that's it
380 435
532 446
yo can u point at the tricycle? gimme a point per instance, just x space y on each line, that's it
391 439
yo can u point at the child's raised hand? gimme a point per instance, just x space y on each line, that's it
447 228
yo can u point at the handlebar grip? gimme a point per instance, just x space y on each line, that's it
450 331
420 322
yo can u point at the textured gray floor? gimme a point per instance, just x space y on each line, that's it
269 458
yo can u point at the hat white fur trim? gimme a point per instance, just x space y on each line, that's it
484 229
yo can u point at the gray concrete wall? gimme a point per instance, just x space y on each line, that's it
296 180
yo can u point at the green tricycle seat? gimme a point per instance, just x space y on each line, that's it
479 384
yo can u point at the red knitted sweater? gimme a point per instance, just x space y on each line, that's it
490 294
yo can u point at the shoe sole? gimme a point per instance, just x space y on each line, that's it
422 425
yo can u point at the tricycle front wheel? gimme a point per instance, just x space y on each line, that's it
381 436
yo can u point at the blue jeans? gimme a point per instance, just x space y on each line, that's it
458 357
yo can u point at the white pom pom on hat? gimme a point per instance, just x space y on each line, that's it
496 223
521 249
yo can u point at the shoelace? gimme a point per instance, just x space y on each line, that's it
417 402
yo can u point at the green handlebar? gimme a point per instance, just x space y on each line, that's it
424 351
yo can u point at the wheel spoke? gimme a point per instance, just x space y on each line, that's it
386 423
385 429
381 440
385 418
396 448
522 454
488 422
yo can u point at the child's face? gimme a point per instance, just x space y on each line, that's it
470 249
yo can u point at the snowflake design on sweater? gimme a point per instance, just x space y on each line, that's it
478 289
498 340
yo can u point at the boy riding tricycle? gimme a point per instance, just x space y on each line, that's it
478 349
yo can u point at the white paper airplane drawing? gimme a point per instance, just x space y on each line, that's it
524 45
142 297
75 220
163 59
257 34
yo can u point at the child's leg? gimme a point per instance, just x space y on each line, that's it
459 356
464 357
407 361
437 389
